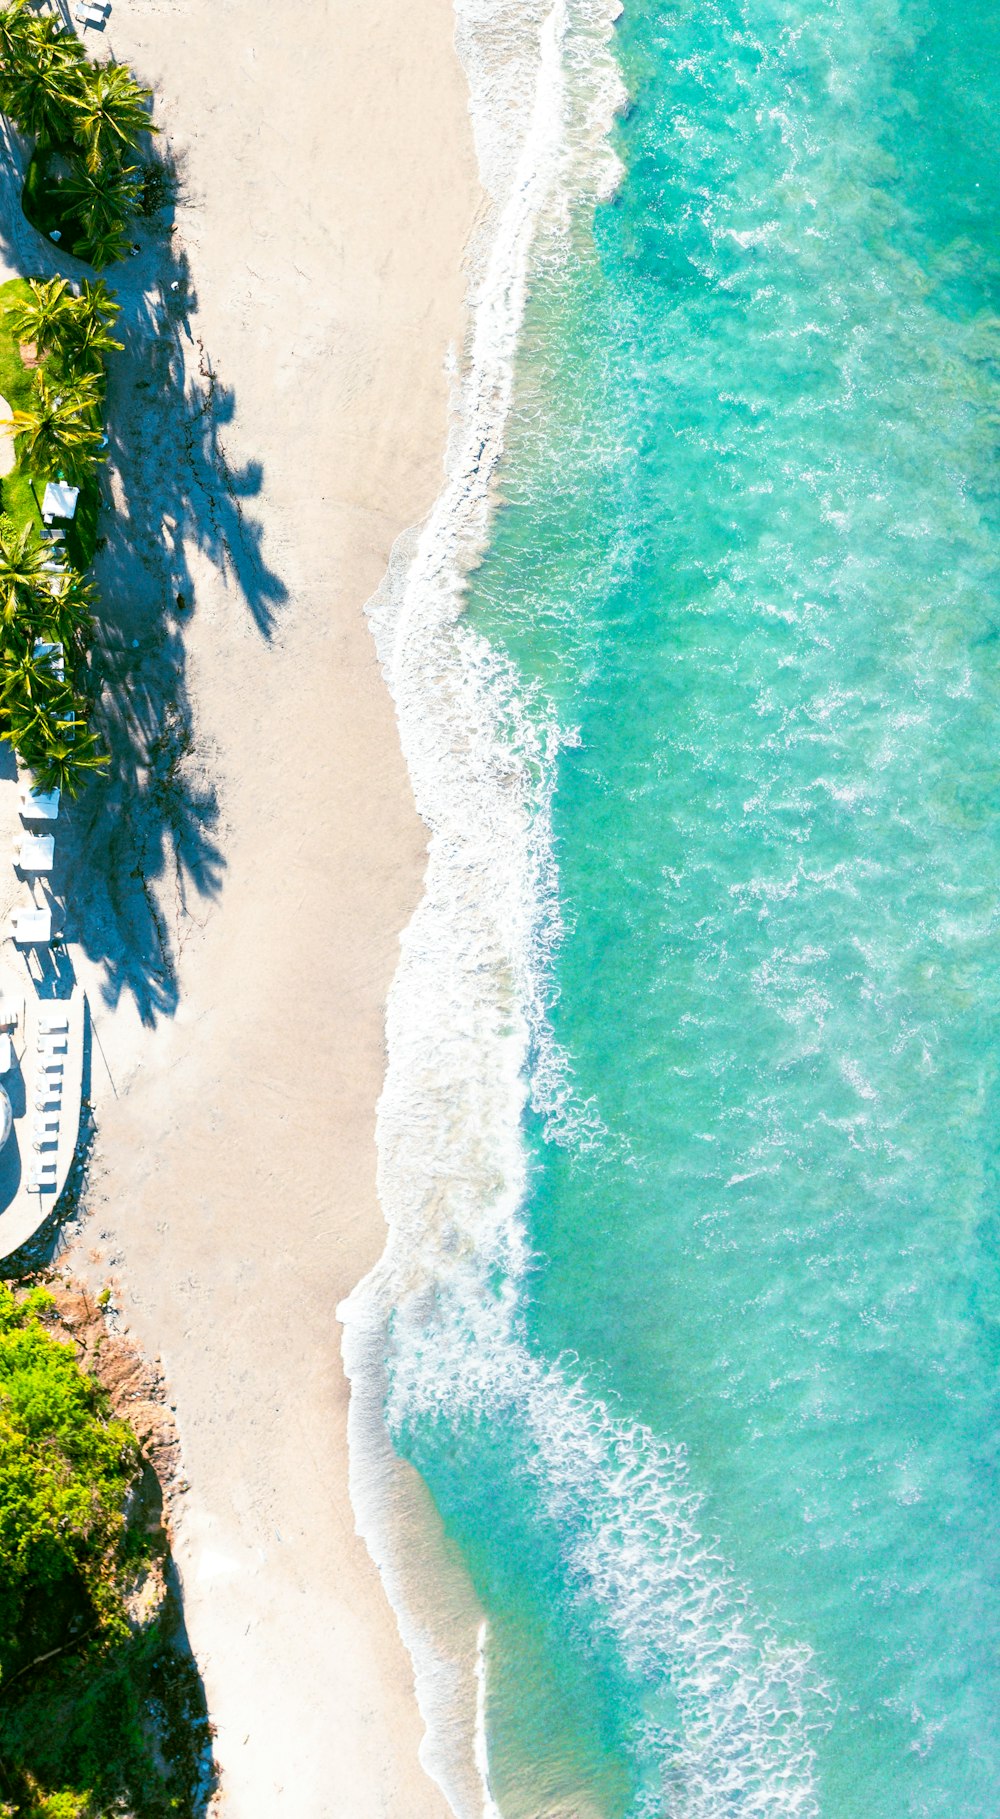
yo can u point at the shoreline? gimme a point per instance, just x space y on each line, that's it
467 998
232 1195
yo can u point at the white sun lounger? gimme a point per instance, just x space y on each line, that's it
32 927
35 852
39 805
59 498
43 1183
52 1042
53 1022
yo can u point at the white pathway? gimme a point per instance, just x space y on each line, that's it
24 1210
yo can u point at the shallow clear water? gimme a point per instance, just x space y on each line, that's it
749 550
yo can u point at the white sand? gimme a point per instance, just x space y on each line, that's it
329 192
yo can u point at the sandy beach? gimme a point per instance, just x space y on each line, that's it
279 416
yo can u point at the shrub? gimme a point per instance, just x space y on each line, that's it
65 1472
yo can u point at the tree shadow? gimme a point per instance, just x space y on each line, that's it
140 849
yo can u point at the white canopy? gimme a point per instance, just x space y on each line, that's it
60 499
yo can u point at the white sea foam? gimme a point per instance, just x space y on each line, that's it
743 1709
435 1324
490 1808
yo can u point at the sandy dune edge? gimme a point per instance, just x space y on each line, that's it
329 190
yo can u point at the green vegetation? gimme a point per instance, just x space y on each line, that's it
65 1470
100 1713
83 188
56 413
87 119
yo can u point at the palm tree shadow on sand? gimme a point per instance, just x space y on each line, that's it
140 847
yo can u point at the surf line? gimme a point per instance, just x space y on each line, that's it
416 609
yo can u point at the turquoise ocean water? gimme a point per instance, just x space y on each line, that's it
727 1491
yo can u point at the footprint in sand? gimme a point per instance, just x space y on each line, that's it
7 455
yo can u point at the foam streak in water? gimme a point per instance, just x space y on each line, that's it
465 1009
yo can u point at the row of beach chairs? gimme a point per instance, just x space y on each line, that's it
53 1043
34 854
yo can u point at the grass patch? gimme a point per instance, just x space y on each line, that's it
18 498
15 386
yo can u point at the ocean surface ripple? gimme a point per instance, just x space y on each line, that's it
689 1141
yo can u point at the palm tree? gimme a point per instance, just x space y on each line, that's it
59 322
60 432
68 617
41 84
15 42
24 581
103 247
28 682
88 327
109 112
97 303
42 316
100 198
25 725
65 757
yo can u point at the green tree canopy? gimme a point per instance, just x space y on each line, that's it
87 335
67 615
65 1471
110 113
59 432
101 198
25 587
78 328
42 78
62 753
42 316
16 33
103 246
